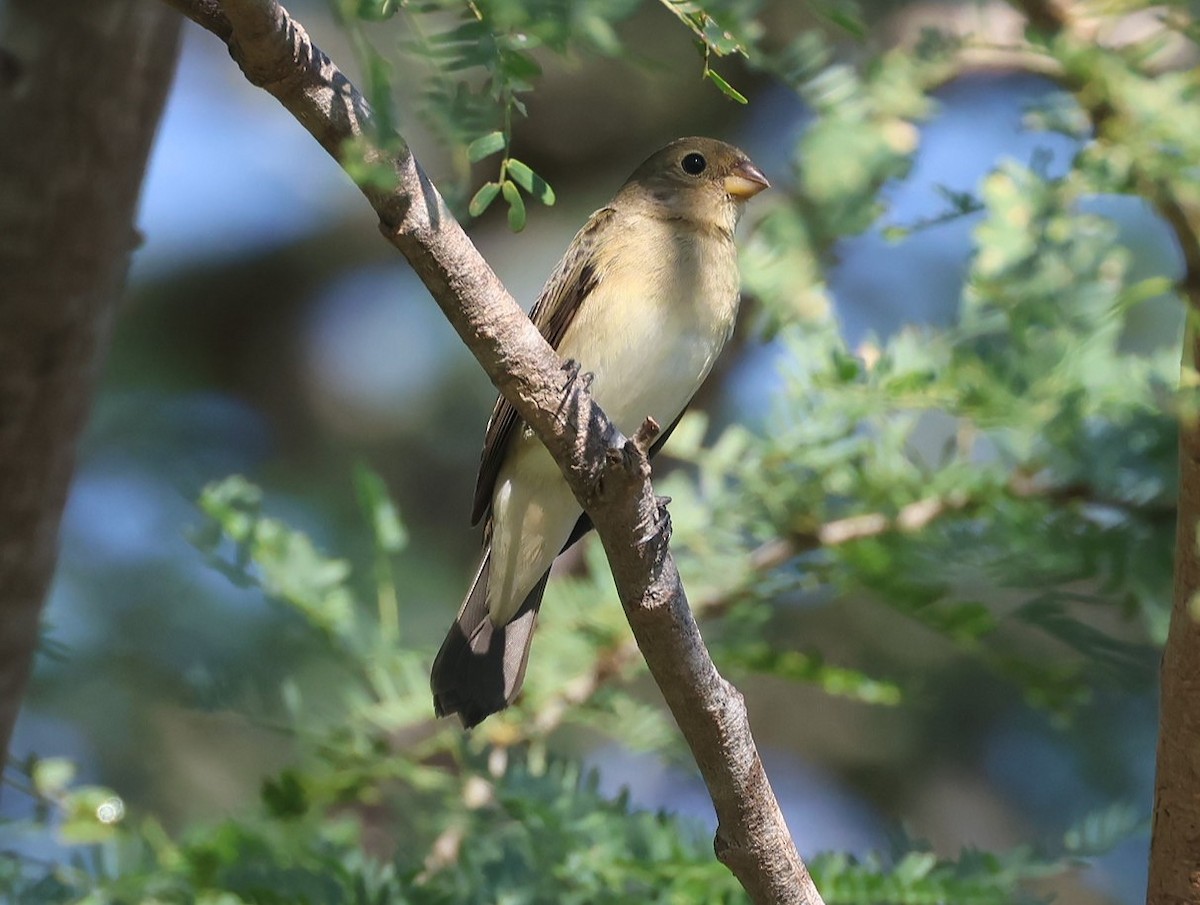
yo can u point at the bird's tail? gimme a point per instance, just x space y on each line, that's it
480 666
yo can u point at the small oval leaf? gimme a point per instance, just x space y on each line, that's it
483 198
516 207
530 181
485 146
376 10
725 87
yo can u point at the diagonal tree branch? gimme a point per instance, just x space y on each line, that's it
608 474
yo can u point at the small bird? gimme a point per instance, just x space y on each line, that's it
644 299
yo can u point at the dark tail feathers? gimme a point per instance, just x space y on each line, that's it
480 666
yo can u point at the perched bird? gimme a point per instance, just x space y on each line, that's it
644 299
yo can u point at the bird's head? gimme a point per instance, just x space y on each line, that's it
701 180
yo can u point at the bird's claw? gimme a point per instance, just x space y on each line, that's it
661 526
575 372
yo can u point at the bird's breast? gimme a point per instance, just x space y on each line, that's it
656 322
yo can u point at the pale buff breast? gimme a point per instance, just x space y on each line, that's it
657 322
649 335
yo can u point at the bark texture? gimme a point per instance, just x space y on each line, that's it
1175 840
82 85
1175 835
608 474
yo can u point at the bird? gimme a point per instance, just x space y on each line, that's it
643 300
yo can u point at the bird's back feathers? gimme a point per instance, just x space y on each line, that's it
572 281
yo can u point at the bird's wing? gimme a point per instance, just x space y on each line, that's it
576 276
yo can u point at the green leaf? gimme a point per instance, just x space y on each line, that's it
472 32
285 796
376 10
727 89
379 74
520 67
483 198
720 41
389 531
485 146
283 562
91 814
530 181
516 207
800 666
52 775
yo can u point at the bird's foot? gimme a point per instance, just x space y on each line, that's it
660 526
568 407
575 372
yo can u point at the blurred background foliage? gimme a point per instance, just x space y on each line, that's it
925 510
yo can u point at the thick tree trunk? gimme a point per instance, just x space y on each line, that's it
82 85
1175 841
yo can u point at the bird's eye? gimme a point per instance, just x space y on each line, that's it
694 164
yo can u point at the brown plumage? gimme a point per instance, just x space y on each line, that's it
644 298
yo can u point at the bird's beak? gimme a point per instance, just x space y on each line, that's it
745 181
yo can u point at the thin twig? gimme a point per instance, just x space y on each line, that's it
614 663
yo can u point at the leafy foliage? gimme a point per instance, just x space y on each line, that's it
1050 468
475 62
1000 490
499 815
